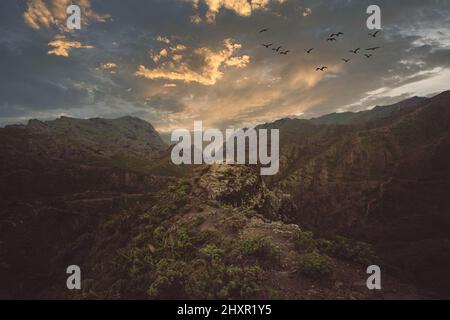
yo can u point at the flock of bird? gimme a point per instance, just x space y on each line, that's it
270 45
332 38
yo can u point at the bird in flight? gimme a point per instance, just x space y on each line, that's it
368 55
277 49
336 34
346 60
355 51
309 50
322 68
264 30
285 52
331 39
267 45
373 49
374 34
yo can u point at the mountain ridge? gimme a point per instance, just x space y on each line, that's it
366 180
346 196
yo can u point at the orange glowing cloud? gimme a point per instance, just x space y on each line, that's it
62 46
176 64
241 7
52 13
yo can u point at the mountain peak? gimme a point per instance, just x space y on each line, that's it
68 137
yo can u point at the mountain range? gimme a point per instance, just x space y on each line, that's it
354 189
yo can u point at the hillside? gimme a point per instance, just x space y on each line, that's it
383 181
102 194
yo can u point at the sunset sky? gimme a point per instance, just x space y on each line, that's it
172 62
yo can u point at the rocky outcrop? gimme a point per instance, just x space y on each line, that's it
240 186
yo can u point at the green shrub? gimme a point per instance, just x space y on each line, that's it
178 244
212 252
325 246
170 280
216 280
260 247
304 241
177 195
242 283
355 251
135 261
201 279
317 266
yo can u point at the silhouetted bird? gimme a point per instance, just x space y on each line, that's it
309 50
277 49
267 45
264 30
374 34
331 39
368 55
355 51
346 60
336 34
285 52
321 68
373 49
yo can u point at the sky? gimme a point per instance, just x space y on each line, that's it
173 62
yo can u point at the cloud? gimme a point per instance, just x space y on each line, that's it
163 40
62 46
52 13
165 104
35 84
108 66
238 62
196 19
202 65
243 8
307 12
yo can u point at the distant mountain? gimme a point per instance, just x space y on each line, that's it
69 138
378 112
67 153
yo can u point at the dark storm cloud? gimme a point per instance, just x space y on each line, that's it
25 79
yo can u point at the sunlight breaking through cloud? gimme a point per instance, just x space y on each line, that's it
175 63
243 8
